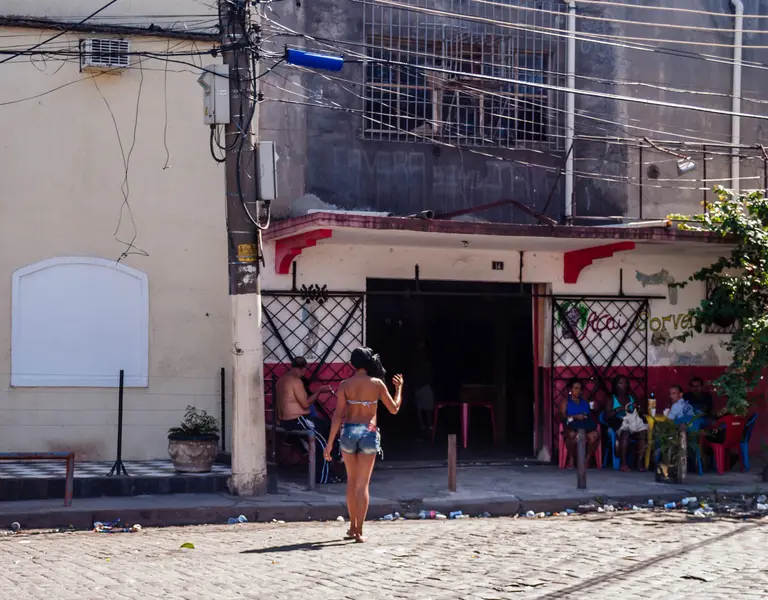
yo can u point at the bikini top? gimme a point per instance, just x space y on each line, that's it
362 402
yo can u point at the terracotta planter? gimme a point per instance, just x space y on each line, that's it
193 454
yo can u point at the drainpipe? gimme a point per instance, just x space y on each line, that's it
570 109
738 40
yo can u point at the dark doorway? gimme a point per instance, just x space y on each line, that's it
476 341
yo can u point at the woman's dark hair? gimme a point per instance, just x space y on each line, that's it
364 358
679 388
573 382
615 383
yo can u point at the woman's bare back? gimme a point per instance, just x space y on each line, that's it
360 395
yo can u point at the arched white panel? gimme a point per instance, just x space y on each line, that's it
77 321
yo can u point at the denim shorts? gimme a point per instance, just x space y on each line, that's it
360 439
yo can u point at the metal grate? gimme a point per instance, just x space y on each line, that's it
726 327
104 53
595 340
323 327
460 43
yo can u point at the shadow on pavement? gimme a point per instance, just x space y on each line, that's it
303 546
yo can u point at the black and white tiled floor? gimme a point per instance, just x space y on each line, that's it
85 470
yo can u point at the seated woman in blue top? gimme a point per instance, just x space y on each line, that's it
576 415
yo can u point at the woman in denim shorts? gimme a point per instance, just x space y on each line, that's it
360 442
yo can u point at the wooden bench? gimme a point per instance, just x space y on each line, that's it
69 487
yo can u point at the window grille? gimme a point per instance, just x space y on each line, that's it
451 79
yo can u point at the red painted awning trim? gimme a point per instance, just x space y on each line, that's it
293 226
575 261
287 249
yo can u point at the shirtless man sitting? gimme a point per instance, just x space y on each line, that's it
293 411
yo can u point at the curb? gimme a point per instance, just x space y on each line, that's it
302 511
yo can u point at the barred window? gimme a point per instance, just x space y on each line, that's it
442 83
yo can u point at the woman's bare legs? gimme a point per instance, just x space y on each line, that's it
570 446
624 437
365 464
592 441
351 464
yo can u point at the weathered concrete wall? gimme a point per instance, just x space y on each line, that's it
324 155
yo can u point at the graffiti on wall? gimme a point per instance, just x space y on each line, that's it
661 278
584 322
666 327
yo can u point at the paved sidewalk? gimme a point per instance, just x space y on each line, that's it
498 490
629 556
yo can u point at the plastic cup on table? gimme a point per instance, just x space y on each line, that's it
653 412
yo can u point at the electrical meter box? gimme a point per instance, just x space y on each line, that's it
215 83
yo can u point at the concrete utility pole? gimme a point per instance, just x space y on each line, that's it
249 467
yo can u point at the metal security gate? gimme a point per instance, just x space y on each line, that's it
595 340
320 325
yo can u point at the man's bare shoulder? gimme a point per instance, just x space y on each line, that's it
288 381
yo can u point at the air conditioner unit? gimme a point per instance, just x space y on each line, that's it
105 54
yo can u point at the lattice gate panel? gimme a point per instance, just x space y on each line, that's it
595 340
322 326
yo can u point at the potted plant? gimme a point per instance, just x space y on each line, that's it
194 444
668 447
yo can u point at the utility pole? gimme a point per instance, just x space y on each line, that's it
249 471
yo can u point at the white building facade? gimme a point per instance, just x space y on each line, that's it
113 248
550 304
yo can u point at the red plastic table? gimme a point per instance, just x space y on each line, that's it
465 406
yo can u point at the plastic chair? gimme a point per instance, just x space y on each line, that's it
734 434
612 439
562 449
744 445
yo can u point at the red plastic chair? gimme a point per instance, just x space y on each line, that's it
562 451
734 432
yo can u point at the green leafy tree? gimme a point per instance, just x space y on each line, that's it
739 281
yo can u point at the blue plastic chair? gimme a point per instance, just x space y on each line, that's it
694 426
616 461
744 446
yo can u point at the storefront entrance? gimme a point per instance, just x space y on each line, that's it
469 341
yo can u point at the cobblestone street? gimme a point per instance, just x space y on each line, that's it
618 556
